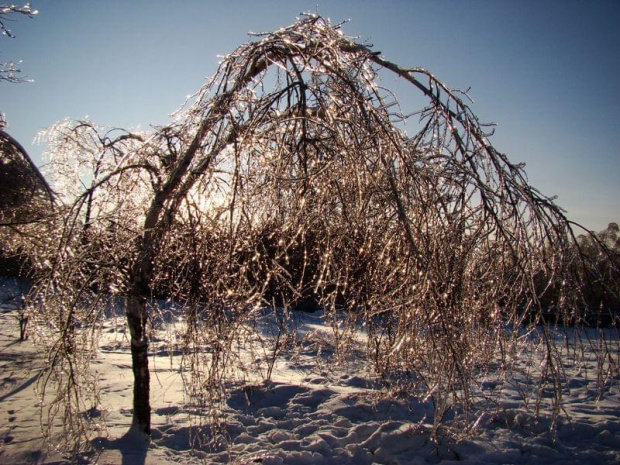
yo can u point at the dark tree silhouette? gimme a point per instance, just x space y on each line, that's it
601 254
24 193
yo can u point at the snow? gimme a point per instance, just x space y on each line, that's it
314 409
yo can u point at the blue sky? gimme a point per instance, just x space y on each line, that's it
547 72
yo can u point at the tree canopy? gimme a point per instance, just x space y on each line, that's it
24 192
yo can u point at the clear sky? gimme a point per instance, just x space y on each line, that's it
547 72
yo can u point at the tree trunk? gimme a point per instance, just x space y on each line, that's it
135 310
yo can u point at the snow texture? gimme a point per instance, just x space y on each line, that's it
308 413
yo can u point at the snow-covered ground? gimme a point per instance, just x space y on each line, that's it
312 410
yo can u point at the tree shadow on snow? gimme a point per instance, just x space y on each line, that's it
133 447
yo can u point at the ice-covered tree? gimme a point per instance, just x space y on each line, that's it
293 174
9 71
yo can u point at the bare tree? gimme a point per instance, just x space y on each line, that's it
290 176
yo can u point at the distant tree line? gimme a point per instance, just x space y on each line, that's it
596 261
